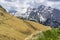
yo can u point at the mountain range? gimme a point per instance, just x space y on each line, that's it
42 14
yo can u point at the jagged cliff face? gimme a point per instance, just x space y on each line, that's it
45 15
12 28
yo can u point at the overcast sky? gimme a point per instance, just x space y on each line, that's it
22 5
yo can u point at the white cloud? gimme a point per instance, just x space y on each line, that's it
22 5
50 3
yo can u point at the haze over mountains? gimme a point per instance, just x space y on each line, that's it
20 5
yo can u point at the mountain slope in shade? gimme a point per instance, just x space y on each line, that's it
12 28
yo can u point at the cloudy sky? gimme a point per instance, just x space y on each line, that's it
22 5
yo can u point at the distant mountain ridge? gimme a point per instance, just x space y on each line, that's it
44 15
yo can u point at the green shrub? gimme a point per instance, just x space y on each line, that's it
53 34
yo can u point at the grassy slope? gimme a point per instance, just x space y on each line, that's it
53 34
12 28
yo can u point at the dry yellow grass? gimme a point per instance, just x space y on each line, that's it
12 28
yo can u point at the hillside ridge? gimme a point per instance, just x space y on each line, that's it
12 28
